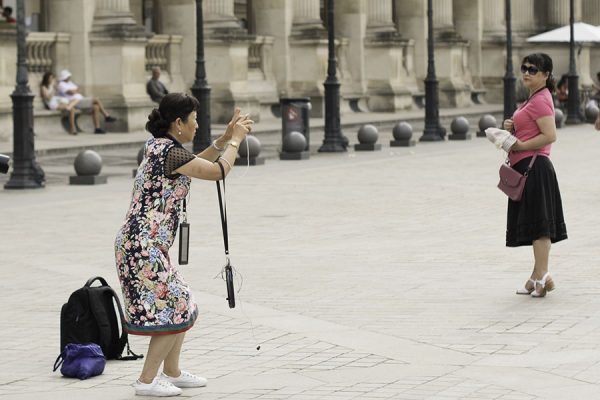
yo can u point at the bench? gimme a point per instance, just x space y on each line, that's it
51 122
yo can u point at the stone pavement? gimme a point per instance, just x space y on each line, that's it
376 275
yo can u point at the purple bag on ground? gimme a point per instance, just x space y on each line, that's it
81 360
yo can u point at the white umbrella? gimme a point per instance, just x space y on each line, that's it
583 33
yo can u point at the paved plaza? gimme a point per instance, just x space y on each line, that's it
371 275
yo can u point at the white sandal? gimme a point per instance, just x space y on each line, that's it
546 283
524 289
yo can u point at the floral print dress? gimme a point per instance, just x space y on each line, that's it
157 299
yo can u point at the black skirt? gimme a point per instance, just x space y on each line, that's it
539 213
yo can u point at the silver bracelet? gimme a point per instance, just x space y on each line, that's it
228 163
214 144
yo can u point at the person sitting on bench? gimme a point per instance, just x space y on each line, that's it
53 102
70 90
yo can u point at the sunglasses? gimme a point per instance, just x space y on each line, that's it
531 69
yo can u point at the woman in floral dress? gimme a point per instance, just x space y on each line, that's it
158 301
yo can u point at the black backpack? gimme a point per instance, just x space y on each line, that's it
90 317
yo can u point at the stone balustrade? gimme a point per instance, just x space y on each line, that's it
45 50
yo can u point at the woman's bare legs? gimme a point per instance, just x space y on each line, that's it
541 253
171 366
70 107
159 348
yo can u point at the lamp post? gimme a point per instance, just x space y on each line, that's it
433 131
573 112
200 89
510 95
26 174
333 141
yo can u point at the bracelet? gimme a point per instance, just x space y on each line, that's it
228 163
214 144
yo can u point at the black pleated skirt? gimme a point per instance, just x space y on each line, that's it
539 213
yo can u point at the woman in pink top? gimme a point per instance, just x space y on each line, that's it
537 219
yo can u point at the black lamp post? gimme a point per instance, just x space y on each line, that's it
573 112
26 174
200 89
510 95
333 141
433 131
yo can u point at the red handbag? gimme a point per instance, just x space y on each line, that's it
512 182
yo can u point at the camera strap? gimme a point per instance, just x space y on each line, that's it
223 210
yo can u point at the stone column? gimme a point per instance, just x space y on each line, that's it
493 49
411 22
591 12
379 16
113 12
307 14
493 18
79 25
351 22
218 14
525 20
308 51
116 40
443 16
178 17
274 18
469 22
389 66
558 12
8 72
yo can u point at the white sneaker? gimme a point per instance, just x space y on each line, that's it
185 380
158 388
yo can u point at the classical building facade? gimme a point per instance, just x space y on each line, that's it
258 51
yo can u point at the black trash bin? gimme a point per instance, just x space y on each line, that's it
295 113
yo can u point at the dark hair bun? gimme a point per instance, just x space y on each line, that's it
156 125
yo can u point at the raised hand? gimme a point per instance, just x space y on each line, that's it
239 126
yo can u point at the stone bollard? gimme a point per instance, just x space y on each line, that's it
559 118
591 112
140 157
367 138
486 121
460 129
402 132
292 147
249 154
87 165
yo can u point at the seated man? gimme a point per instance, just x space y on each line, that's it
70 90
155 88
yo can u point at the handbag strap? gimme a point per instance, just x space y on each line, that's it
223 208
58 362
530 164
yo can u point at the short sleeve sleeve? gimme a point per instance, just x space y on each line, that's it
542 107
176 157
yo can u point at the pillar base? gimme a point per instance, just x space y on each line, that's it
253 161
87 180
403 143
303 155
367 147
390 78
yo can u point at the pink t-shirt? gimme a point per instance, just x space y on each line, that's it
538 106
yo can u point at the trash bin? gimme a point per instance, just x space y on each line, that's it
295 116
